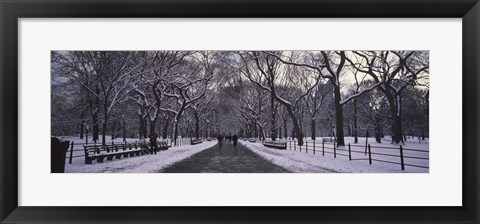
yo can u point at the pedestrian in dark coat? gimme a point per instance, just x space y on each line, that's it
153 142
235 139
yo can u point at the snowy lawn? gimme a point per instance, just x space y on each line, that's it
137 164
307 162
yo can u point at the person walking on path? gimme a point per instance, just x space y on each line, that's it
220 139
153 142
235 139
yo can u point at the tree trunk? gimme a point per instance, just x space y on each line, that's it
145 131
393 101
95 116
177 120
206 130
141 125
273 122
355 121
175 134
300 122
95 127
339 117
296 125
312 119
197 125
82 126
113 130
153 125
349 128
378 134
104 132
165 128
124 132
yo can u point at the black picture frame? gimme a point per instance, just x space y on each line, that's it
11 11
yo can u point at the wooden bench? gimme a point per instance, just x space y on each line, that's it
330 139
100 152
277 145
163 145
196 141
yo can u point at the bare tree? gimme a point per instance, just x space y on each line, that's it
393 71
188 86
263 69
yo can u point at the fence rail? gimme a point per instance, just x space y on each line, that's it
370 153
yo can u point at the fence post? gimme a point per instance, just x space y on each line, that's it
290 145
294 146
300 147
306 147
323 147
334 150
369 154
71 153
401 158
349 153
313 147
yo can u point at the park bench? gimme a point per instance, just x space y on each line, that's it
330 139
209 139
252 140
163 145
277 145
100 152
196 141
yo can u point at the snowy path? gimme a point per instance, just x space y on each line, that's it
225 159
292 164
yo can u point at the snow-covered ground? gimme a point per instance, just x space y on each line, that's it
137 164
305 161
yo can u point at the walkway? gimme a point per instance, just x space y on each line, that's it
225 159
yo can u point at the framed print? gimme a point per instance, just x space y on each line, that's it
250 112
